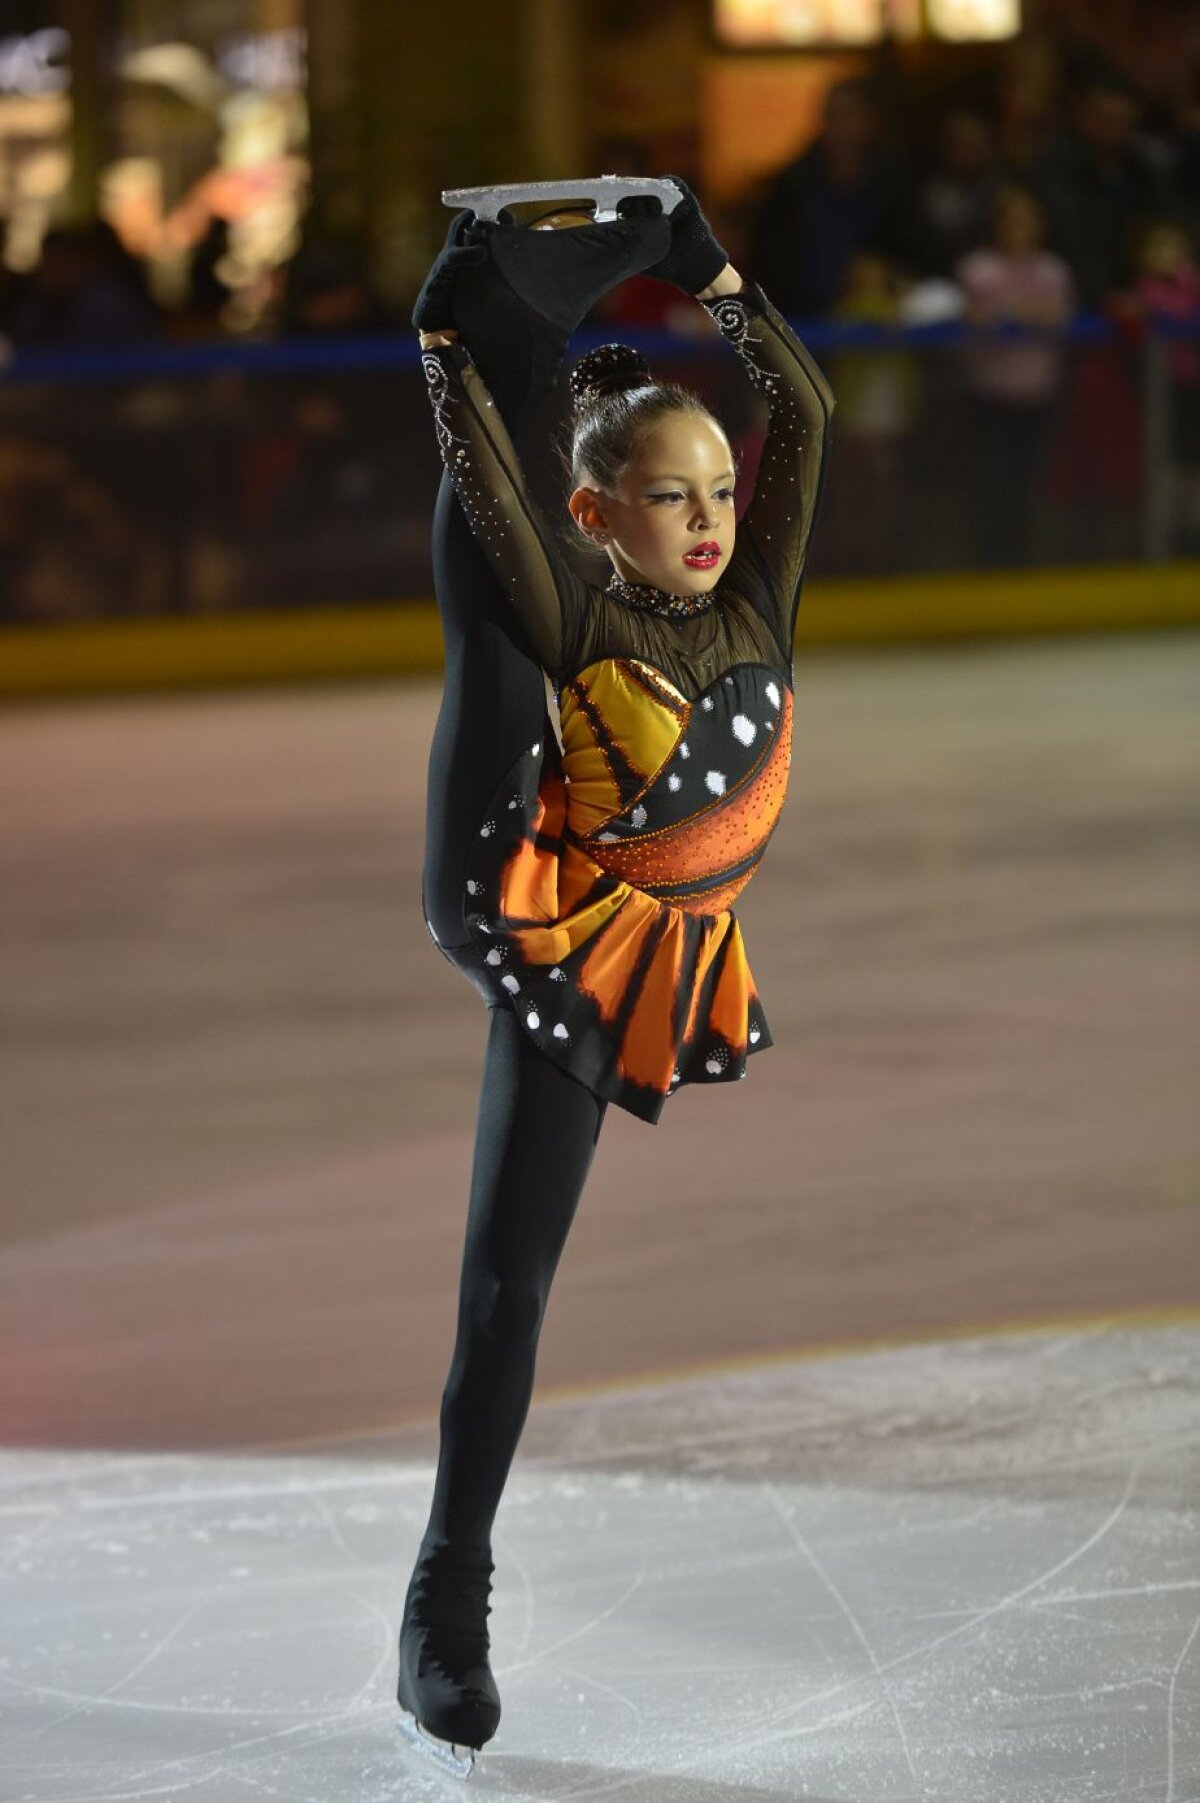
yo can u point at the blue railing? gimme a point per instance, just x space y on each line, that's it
399 350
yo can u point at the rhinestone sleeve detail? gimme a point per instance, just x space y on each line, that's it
438 384
790 480
483 465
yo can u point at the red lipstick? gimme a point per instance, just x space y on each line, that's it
704 556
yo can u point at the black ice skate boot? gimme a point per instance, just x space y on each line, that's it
517 310
446 1688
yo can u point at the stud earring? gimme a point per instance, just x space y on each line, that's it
601 538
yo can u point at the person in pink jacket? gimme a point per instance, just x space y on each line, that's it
1011 382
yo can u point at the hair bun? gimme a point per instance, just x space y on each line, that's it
607 370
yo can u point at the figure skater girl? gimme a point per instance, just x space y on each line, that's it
607 767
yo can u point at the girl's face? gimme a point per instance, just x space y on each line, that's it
670 521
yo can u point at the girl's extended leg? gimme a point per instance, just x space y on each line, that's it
493 709
516 312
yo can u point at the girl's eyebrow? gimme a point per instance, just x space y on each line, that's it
671 477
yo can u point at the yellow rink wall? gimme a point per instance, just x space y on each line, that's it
402 638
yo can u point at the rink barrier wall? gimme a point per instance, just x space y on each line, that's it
392 639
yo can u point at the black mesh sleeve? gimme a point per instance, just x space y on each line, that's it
779 520
545 593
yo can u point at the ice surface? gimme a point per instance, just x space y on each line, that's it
965 1572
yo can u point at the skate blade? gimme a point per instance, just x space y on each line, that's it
606 191
458 1761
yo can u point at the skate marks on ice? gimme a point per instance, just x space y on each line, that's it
950 1573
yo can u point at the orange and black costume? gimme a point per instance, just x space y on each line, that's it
608 857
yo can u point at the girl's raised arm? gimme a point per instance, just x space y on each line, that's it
773 534
482 463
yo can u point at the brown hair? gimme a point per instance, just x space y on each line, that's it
616 398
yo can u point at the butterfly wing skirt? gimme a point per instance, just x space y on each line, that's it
600 898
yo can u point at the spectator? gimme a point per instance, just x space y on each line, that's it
1167 287
955 200
879 397
203 314
844 193
1100 180
1097 180
87 291
70 547
1027 83
1011 384
1183 143
321 480
327 293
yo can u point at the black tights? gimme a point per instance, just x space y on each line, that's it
536 1134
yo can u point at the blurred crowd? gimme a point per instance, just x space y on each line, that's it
1088 189
1019 205
1015 217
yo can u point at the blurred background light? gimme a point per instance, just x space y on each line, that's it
799 23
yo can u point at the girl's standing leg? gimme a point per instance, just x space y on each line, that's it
534 1141
536 1135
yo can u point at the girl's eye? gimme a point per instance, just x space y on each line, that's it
720 494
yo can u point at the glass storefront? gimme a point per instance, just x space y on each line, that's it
209 183
35 138
203 169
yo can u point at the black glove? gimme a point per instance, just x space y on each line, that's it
695 259
464 249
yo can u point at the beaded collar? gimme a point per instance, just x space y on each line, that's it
653 600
